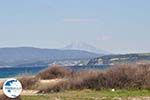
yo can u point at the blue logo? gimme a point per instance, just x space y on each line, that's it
12 88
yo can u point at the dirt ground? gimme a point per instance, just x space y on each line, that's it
32 92
54 81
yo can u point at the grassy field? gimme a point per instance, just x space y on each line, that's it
93 95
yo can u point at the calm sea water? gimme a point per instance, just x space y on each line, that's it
13 72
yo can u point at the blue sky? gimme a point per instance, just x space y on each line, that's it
118 26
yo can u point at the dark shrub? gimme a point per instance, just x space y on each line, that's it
54 72
28 82
84 80
118 76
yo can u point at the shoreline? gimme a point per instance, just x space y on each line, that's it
4 79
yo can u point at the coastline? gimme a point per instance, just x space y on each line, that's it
4 79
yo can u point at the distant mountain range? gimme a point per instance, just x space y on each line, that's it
29 55
141 58
85 47
71 55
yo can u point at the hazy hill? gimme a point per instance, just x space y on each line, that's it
121 58
21 55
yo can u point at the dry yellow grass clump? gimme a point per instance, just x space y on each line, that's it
1 84
57 78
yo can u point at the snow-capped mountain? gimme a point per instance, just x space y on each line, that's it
85 47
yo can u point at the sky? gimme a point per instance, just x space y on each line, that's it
117 26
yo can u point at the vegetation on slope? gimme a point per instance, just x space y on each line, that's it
124 76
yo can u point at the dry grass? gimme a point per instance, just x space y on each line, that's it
125 76
82 80
128 76
57 87
119 76
28 82
3 97
1 84
54 72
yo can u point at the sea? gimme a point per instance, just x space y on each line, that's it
17 72
22 71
